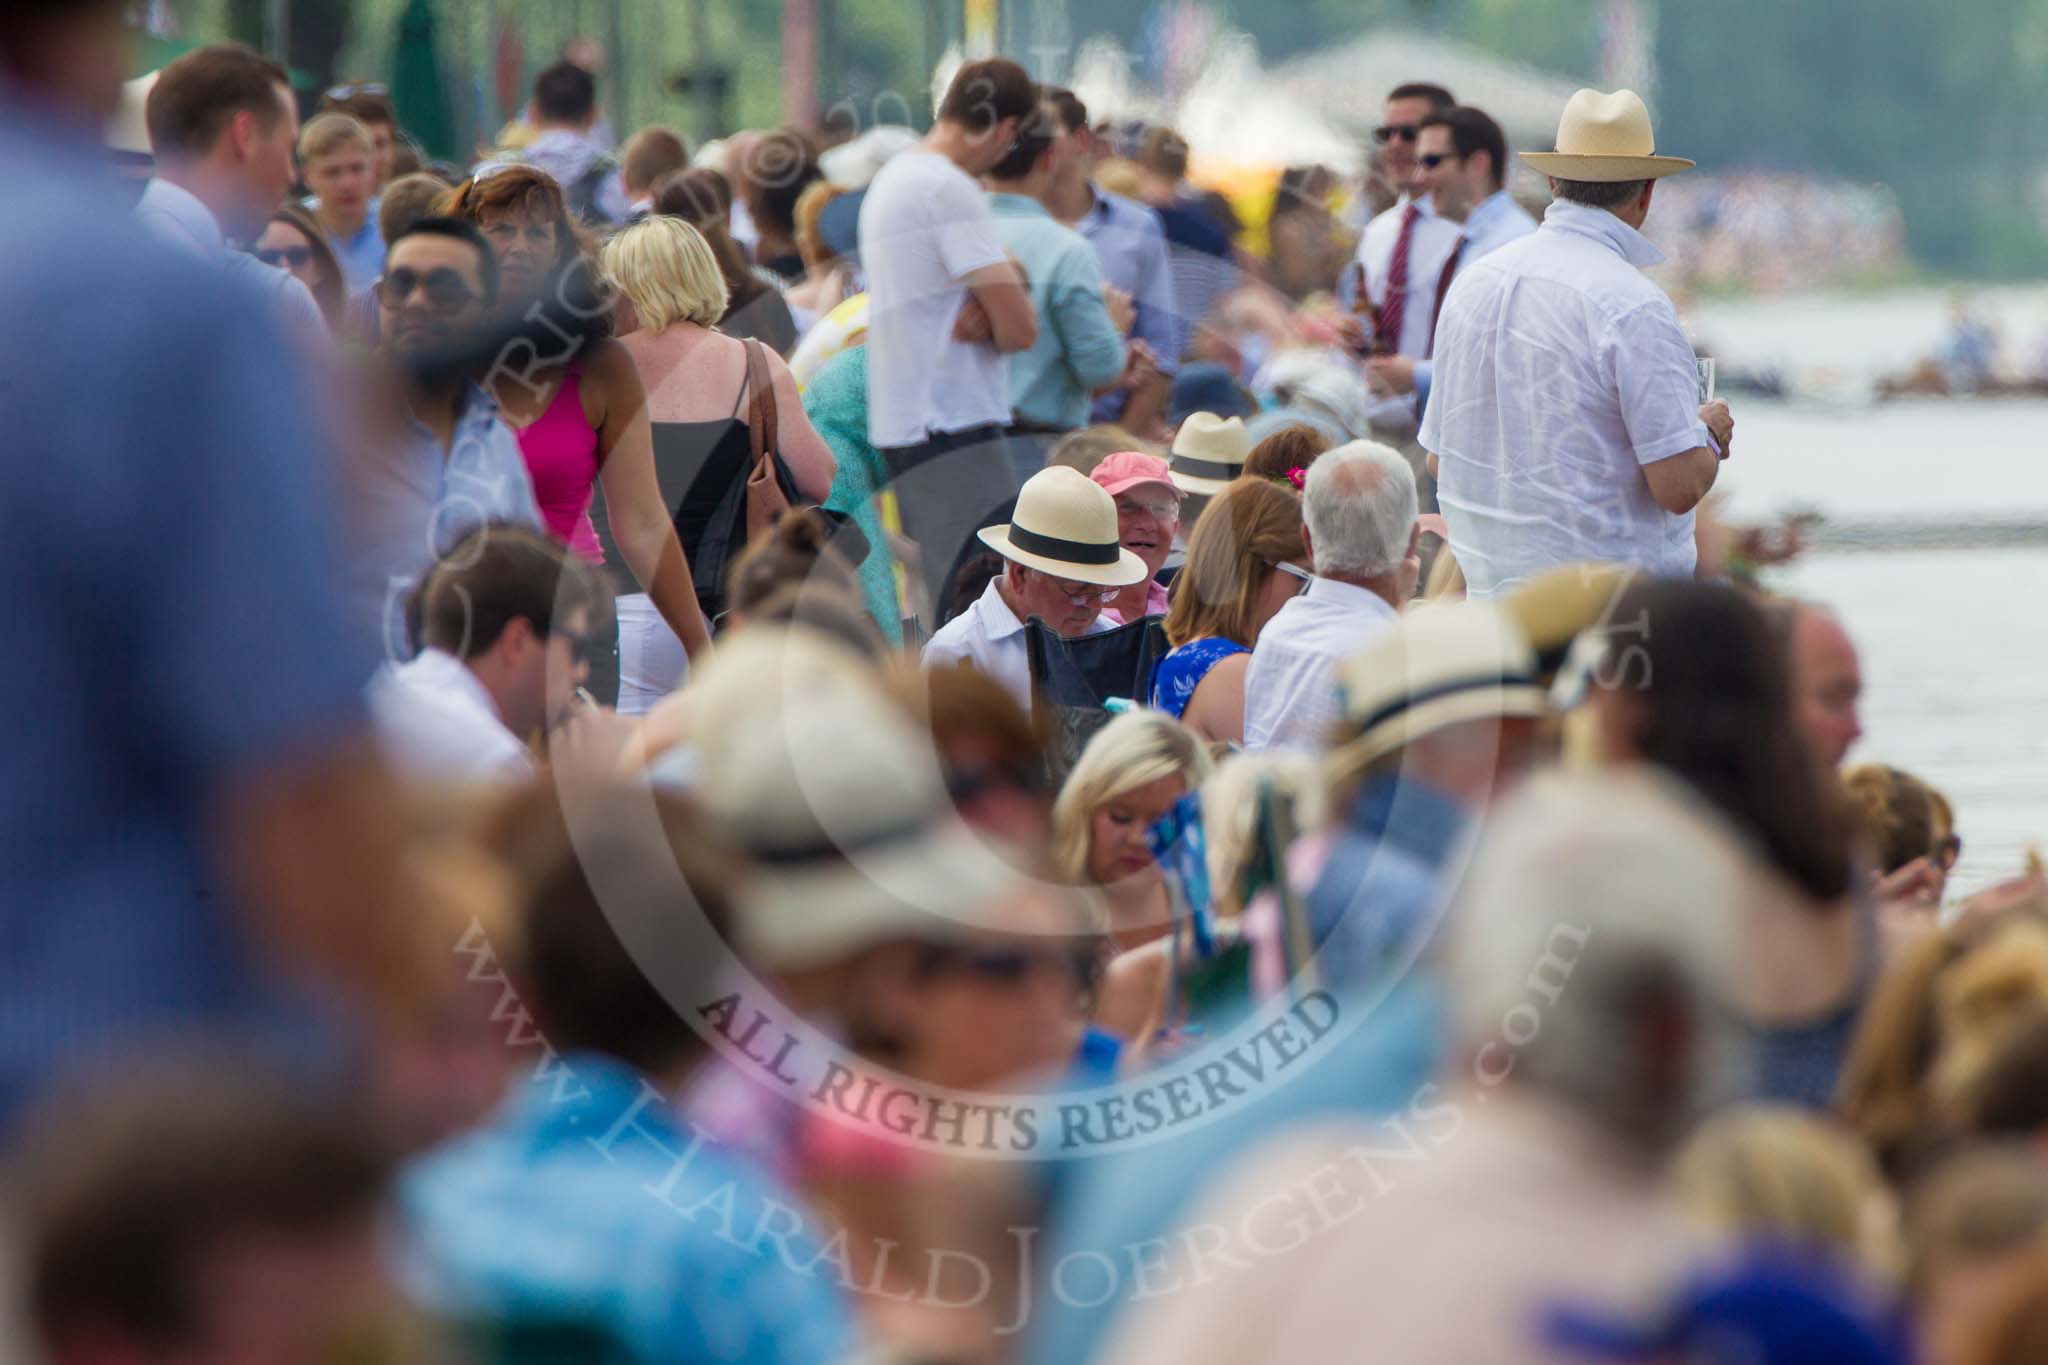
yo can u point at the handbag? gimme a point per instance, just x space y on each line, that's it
768 495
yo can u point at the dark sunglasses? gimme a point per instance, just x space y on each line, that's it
1432 160
446 290
1947 852
1014 966
290 257
1387 132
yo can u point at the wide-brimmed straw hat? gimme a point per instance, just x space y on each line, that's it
1605 138
1441 664
1065 525
1209 452
842 814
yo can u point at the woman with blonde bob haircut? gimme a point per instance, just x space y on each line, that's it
698 403
1246 558
666 270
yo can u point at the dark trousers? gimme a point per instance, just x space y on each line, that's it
947 488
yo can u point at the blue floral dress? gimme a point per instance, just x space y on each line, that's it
1176 676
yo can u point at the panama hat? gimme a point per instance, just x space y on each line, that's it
1065 525
1209 452
841 814
1558 605
1439 665
1605 138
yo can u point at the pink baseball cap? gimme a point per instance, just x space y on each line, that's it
1128 468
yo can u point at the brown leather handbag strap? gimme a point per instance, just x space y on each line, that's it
761 432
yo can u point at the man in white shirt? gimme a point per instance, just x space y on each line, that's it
1462 165
1064 560
1566 423
504 618
222 125
946 309
1358 511
1403 250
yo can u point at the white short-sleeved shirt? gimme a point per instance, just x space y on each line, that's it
989 636
925 226
1561 371
1290 687
436 723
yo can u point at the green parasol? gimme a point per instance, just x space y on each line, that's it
419 93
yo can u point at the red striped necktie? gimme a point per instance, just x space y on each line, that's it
1396 304
1443 287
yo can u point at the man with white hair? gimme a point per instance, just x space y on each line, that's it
1358 513
1590 948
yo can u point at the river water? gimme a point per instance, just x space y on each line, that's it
1934 544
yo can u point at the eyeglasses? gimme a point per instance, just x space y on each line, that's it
1948 852
1387 132
1294 571
290 257
446 290
349 92
1166 509
1082 594
1432 160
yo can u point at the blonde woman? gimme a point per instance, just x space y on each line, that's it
1245 560
1127 779
697 401
1790 1176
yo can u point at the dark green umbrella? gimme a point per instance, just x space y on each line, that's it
419 93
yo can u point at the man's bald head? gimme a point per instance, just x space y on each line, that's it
1827 682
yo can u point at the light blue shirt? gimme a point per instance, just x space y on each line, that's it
419 500
587 1205
1131 245
1494 222
361 254
175 623
175 216
1078 348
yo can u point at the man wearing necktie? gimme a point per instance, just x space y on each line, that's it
1461 160
1403 250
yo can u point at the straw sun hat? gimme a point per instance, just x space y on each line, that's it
1209 452
841 811
1439 665
1605 138
1065 525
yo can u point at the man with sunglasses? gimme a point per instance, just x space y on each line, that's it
455 463
503 621
1461 164
1403 250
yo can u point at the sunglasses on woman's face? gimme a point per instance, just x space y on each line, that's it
446 290
289 257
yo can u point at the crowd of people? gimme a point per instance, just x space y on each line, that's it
867 748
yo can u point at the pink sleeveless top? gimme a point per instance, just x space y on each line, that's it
561 457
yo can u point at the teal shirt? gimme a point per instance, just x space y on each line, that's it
836 401
1078 348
